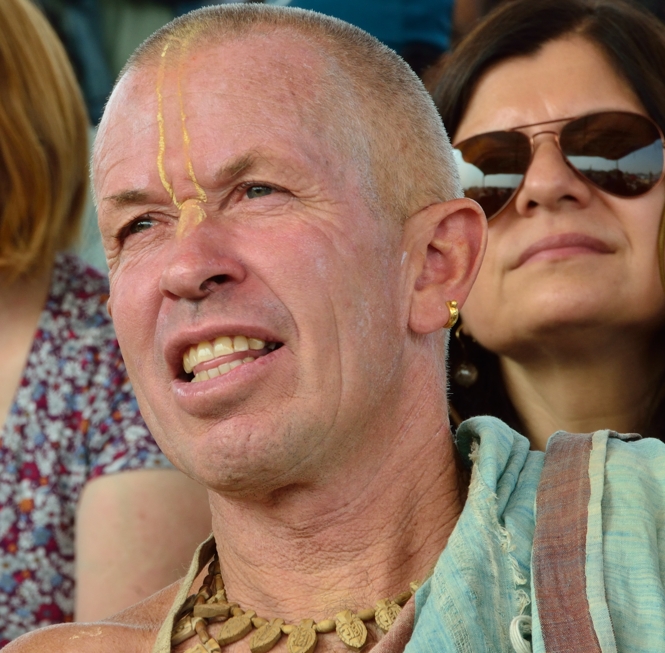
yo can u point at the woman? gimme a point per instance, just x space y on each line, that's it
70 431
556 109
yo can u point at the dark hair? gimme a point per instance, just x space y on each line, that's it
631 37
634 42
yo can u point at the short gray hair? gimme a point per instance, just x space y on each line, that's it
381 113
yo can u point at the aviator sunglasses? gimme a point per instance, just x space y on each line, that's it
620 153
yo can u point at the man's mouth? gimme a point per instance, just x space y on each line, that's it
209 359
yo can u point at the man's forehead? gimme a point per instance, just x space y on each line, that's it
258 77
275 74
262 63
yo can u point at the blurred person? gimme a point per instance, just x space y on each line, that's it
288 248
75 524
556 110
418 30
467 13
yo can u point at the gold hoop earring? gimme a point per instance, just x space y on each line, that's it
454 314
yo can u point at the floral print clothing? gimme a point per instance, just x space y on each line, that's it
74 418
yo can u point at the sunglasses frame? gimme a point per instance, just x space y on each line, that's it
557 135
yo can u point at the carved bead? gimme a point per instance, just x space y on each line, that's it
235 628
266 636
200 626
402 598
351 630
385 614
186 606
205 593
199 648
218 597
211 610
303 638
211 646
325 626
182 631
365 615
219 586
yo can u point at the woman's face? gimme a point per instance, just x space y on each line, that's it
596 264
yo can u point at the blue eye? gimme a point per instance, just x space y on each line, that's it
258 191
139 225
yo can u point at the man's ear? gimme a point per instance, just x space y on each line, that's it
445 243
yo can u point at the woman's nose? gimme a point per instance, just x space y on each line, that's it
550 183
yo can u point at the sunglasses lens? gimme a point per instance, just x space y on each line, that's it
492 167
621 153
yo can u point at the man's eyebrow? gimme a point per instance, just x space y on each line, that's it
227 172
236 167
128 198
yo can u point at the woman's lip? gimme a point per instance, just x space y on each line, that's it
573 243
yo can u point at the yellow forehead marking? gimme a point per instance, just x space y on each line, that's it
192 212
160 124
200 193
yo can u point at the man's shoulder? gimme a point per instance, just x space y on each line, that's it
133 630
101 637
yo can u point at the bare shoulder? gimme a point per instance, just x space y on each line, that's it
133 630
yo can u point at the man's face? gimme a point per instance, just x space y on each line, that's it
229 219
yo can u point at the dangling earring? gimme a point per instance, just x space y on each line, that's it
466 373
454 314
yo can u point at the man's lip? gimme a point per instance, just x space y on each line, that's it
563 241
176 346
200 398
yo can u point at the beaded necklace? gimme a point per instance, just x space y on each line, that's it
210 605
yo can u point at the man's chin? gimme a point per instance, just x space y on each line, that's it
241 457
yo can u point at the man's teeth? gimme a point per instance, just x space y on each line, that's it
222 346
220 370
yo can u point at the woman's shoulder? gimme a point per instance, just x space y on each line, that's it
75 339
76 305
72 277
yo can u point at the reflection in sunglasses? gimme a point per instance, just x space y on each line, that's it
619 152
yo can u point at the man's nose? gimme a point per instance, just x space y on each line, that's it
200 263
550 182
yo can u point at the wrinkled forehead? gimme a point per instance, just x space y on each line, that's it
266 77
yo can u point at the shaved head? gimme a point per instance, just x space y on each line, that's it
367 102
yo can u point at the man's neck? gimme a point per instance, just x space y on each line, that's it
309 552
610 385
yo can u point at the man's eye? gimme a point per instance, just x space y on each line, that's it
139 225
258 191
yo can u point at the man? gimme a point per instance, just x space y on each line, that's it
277 201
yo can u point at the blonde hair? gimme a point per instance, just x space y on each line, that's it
376 108
43 143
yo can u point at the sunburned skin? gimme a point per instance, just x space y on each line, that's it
283 441
192 212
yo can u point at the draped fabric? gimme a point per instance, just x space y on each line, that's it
573 539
